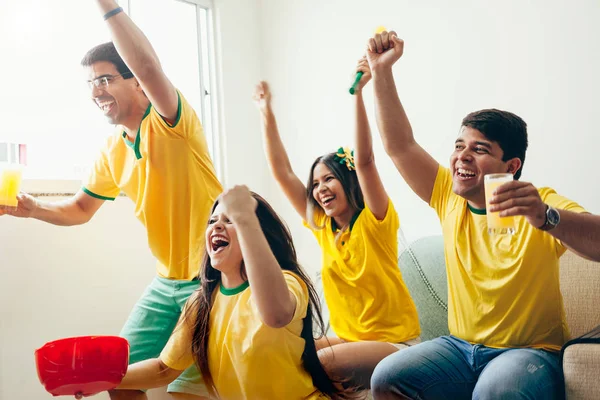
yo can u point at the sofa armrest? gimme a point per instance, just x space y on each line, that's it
581 366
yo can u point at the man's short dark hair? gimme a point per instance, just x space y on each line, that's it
107 52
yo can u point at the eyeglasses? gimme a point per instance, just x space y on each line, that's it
103 81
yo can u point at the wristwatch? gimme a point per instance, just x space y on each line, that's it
552 219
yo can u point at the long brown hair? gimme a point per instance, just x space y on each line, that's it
282 246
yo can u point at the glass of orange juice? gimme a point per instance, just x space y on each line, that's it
498 225
10 183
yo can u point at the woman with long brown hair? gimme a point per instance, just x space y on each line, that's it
346 206
249 327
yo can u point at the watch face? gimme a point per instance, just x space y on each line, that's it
553 216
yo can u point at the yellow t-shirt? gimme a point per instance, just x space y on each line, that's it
247 358
503 290
363 286
169 175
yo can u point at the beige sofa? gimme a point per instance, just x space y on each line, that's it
580 286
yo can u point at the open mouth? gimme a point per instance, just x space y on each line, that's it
219 243
326 200
465 174
106 106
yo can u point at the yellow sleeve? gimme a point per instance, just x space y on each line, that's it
386 230
550 197
390 223
553 199
300 292
185 125
319 218
442 190
177 354
100 183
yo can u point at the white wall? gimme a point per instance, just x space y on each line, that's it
60 282
538 59
240 69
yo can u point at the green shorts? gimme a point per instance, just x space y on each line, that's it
151 323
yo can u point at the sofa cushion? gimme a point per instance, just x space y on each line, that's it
423 268
579 283
581 366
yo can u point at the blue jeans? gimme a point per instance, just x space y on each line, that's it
451 368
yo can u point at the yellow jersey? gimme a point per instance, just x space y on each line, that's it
363 286
169 175
247 358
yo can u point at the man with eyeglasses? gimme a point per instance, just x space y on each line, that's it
159 158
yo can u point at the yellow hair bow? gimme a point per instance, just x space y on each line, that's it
345 156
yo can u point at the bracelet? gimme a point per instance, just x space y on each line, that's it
112 13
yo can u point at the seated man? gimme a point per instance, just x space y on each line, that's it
505 310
